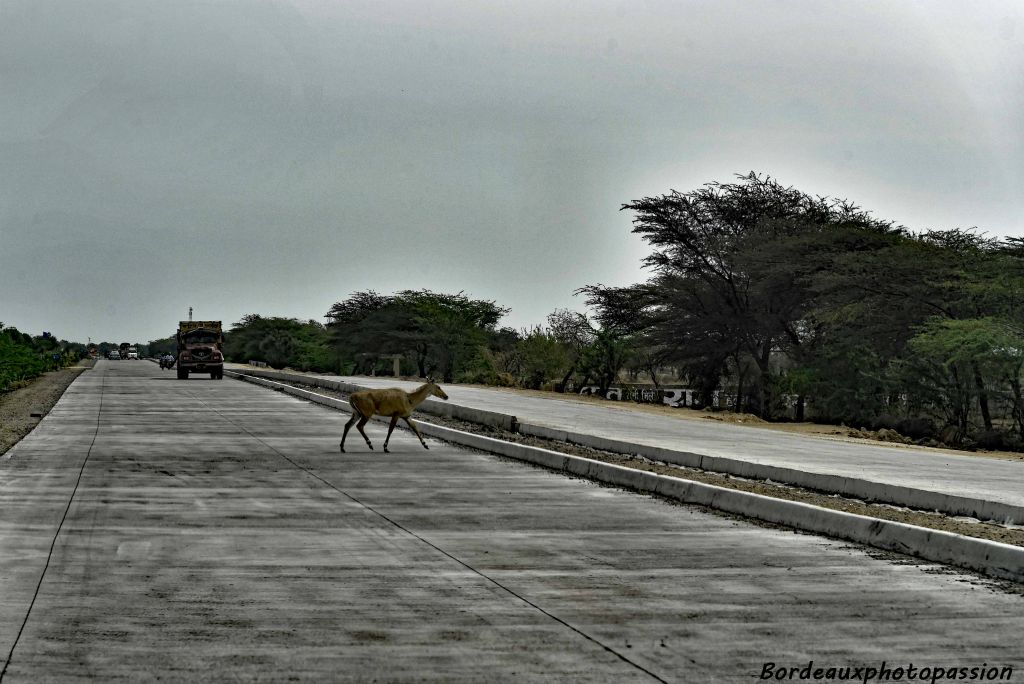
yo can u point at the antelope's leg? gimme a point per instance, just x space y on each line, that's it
348 425
394 419
416 430
359 426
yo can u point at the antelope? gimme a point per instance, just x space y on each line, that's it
392 402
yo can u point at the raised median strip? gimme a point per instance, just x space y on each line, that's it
867 490
859 488
991 558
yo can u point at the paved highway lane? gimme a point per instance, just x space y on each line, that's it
216 533
928 469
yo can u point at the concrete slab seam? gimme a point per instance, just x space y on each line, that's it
336 403
53 543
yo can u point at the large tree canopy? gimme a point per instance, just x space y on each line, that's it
733 266
823 301
279 342
439 332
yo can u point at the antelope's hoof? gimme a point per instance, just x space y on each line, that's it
342 449
386 450
426 447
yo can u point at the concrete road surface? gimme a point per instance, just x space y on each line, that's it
929 469
152 528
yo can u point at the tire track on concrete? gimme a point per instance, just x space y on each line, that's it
432 545
60 526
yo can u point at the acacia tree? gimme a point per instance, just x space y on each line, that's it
542 358
369 325
904 297
604 357
723 286
574 332
278 341
948 358
440 332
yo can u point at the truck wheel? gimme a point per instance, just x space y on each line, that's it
182 374
213 375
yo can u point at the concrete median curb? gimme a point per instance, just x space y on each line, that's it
868 490
994 559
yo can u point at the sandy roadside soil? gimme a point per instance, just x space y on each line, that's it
22 409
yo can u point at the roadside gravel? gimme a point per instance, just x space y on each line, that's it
22 409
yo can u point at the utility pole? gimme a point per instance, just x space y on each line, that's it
190 314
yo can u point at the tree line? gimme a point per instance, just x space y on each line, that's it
451 337
791 298
761 298
23 356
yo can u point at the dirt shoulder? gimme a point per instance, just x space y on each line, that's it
22 409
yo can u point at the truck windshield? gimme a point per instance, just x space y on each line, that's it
201 337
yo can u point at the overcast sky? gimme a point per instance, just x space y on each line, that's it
274 156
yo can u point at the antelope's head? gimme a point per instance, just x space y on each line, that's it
436 391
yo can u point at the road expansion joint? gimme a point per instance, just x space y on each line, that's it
56 534
432 545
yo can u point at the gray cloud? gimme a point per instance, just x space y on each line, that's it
272 157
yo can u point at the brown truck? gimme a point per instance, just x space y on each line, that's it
199 349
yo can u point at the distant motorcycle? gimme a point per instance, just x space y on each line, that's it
167 361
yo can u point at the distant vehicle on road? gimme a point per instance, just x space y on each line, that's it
114 355
133 353
122 349
199 349
167 361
